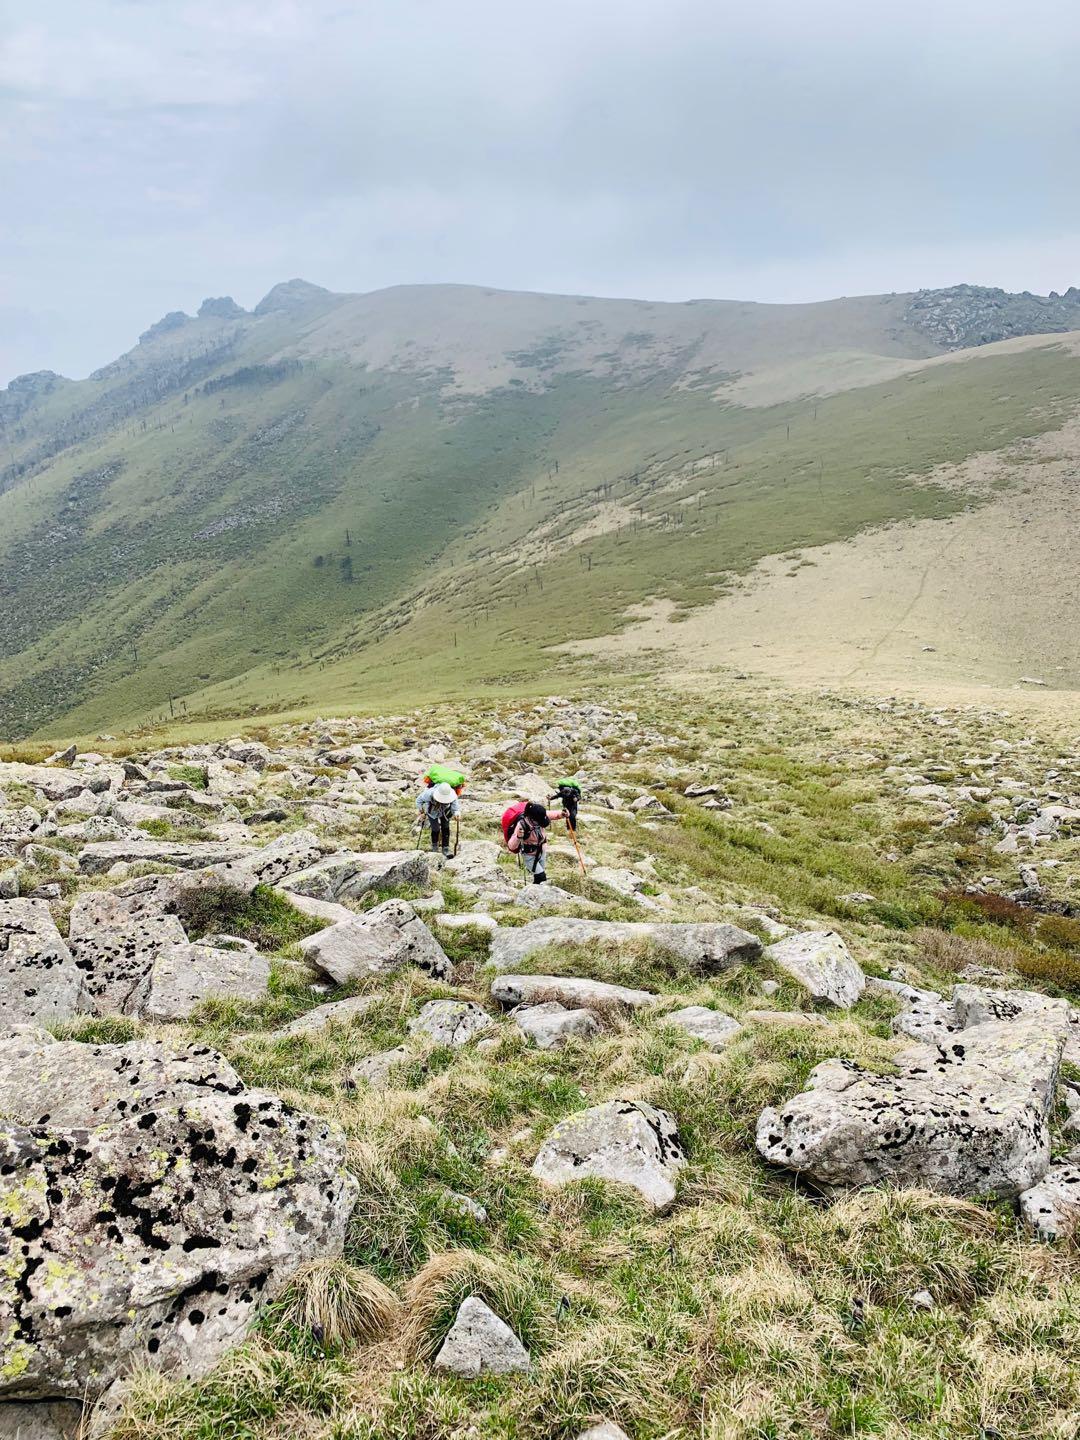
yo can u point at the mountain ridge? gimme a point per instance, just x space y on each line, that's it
250 505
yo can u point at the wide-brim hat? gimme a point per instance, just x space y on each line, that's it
443 793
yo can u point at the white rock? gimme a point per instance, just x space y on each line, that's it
336 1012
1051 1209
479 1343
183 976
571 991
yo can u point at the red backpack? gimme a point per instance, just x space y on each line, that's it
510 818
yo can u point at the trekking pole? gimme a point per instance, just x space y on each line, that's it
457 833
420 832
577 847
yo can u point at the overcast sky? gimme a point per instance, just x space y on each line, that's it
153 152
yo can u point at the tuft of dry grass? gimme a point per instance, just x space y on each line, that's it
339 1303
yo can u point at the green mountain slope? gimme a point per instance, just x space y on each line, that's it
345 499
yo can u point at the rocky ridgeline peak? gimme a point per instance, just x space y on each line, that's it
174 320
289 295
967 315
220 307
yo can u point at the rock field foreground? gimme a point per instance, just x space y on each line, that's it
152 1203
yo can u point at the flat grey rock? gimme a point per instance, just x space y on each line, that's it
571 991
551 1025
607 1430
100 857
336 1012
627 1141
711 1026
704 949
822 964
479 1343
183 977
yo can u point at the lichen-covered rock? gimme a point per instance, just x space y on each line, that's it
376 1070
822 964
975 1005
284 856
703 949
479 1343
711 1026
115 947
39 980
624 1140
966 1117
183 976
1051 1209
569 990
149 1204
378 942
450 1022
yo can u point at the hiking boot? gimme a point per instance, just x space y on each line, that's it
446 851
539 879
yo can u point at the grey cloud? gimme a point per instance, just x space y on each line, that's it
153 154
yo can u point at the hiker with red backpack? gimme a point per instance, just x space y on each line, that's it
524 828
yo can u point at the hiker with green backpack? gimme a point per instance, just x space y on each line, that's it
438 804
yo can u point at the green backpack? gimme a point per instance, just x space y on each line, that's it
444 775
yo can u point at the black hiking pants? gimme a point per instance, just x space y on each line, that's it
440 831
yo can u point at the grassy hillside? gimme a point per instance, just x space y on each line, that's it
345 500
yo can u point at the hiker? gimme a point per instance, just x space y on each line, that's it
525 831
569 792
438 804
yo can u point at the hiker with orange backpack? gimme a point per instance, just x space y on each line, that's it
524 829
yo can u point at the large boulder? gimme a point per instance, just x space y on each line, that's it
569 990
39 980
479 1343
703 949
967 1117
149 1205
378 942
624 1140
821 963
347 875
115 947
